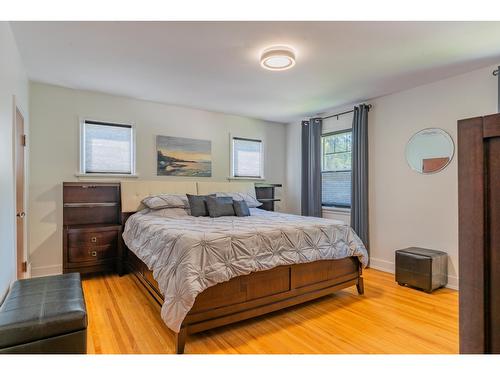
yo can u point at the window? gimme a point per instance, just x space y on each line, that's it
246 159
336 169
106 148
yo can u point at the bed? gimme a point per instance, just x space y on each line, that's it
209 272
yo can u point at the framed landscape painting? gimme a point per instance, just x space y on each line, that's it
183 157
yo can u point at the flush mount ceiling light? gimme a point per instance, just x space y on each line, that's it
277 58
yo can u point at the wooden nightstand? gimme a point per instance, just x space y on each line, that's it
266 195
92 230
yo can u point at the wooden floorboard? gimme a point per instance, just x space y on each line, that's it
387 319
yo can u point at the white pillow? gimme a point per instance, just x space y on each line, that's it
252 202
174 213
159 201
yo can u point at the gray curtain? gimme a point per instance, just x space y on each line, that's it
311 167
359 193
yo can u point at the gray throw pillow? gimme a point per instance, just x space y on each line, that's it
241 208
252 202
220 206
198 204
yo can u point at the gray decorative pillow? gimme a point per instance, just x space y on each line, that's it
198 204
241 208
252 202
156 202
220 206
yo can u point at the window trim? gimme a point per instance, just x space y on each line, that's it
334 207
337 209
231 158
82 172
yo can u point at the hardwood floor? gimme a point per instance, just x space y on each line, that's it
387 319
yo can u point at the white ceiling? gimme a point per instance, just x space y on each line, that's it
215 65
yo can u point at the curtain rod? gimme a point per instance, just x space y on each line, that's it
342 113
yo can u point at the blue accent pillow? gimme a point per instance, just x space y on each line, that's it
198 204
220 206
241 208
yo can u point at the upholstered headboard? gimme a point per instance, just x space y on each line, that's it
133 192
208 187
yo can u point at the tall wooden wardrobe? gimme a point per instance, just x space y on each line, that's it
479 233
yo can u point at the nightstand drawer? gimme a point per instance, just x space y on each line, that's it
83 193
90 253
80 239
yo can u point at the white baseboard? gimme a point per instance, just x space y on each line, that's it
452 282
55 269
382 265
386 266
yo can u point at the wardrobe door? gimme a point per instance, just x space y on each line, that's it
479 233
493 241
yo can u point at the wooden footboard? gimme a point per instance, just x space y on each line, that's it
258 293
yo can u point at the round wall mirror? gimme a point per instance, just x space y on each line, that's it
429 150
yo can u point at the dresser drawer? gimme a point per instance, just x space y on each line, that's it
91 215
85 193
90 253
82 239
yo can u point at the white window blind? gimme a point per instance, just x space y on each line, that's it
336 164
247 158
107 148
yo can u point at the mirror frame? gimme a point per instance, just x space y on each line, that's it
444 166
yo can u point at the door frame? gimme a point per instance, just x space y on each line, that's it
17 106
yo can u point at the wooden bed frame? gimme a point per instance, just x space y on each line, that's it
258 293
242 297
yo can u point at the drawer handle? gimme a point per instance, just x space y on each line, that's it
93 253
89 186
93 239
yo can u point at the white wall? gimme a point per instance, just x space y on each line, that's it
407 208
13 82
54 150
292 187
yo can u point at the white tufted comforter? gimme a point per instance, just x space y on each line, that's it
189 254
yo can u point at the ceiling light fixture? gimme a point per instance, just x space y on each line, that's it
277 58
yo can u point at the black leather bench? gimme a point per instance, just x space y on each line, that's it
44 315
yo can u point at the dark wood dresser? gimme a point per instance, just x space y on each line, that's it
266 194
479 234
92 230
